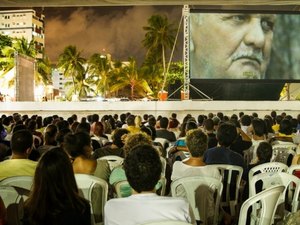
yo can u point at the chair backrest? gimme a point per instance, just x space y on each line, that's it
95 190
271 167
112 160
24 182
167 222
289 181
231 178
203 194
269 202
123 188
284 152
13 203
293 169
164 142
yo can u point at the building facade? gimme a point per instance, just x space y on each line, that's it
25 23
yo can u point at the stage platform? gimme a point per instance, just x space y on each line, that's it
164 108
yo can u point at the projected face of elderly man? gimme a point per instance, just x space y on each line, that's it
230 46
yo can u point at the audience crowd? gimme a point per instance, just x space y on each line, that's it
53 149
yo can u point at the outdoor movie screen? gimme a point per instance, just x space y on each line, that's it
244 45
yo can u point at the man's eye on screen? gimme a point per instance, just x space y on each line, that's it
237 18
267 25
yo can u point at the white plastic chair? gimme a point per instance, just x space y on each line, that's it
24 182
95 190
112 160
271 167
289 181
282 152
263 215
197 190
231 178
164 142
167 222
293 168
13 203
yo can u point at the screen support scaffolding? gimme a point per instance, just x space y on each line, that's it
186 59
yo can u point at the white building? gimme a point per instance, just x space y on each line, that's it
25 23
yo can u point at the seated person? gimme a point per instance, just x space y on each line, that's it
54 198
115 148
19 164
143 169
79 148
196 141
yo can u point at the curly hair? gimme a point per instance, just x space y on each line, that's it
196 142
143 168
133 140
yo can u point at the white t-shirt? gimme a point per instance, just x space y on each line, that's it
181 169
143 208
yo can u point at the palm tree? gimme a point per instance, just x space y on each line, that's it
160 36
99 70
73 64
44 70
22 46
131 78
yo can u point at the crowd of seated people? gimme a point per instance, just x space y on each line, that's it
244 140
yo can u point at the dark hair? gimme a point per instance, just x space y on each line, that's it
196 142
117 135
95 118
75 144
130 120
246 120
50 134
226 134
164 122
264 152
152 121
143 168
61 135
70 121
259 127
54 188
191 125
208 124
83 127
285 127
18 127
62 124
21 140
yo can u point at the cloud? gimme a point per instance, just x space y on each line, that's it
119 33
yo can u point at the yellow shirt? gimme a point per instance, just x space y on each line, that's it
17 167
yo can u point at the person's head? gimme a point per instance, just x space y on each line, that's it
83 127
130 120
164 122
117 136
21 142
152 121
231 45
191 125
50 134
245 120
78 144
264 152
143 168
258 127
196 142
138 121
61 135
95 118
133 140
62 124
286 127
54 186
226 134
208 125
98 128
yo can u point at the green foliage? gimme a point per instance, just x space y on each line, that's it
175 73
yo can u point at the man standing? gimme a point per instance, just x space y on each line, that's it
230 46
19 164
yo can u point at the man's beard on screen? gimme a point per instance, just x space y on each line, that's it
251 54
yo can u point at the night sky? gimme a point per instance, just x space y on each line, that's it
115 30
